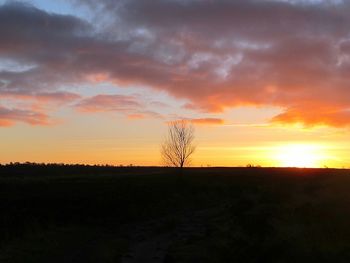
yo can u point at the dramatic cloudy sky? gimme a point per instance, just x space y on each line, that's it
96 81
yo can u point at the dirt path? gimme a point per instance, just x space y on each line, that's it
150 241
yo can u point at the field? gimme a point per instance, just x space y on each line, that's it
136 214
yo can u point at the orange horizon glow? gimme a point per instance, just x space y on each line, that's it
302 156
137 142
208 154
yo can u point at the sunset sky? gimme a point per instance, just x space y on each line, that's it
264 82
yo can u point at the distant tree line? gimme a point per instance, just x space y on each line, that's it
48 169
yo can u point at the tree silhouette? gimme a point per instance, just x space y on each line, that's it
178 147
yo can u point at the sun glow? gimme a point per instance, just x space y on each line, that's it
301 155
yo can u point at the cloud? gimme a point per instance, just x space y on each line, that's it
130 106
43 97
9 117
144 114
32 108
324 116
108 103
208 121
294 55
136 116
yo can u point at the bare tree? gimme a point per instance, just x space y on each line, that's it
178 145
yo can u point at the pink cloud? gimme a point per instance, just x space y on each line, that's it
216 54
43 97
108 103
9 117
32 108
130 106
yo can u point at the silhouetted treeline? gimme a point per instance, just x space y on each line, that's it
52 169
49 169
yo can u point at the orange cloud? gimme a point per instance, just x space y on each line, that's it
334 117
208 121
136 116
6 123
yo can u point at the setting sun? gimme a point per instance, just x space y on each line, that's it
300 155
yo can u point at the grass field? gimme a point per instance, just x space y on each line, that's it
135 214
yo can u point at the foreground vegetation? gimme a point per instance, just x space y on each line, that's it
106 214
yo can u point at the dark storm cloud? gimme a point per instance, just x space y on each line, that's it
218 54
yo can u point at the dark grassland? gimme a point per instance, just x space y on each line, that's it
94 214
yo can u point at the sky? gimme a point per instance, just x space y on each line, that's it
264 82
